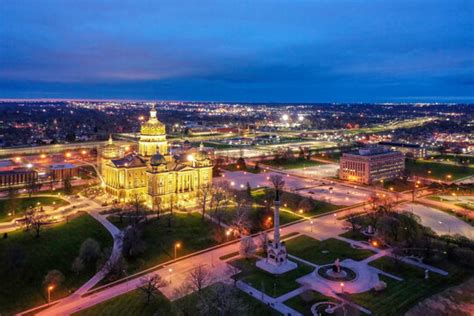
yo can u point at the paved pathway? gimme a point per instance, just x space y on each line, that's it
275 303
439 221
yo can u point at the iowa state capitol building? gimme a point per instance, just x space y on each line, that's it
153 174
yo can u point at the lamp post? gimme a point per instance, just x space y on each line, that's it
176 246
50 288
170 270
342 288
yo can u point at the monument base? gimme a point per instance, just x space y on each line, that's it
273 268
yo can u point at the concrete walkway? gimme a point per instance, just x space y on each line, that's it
275 303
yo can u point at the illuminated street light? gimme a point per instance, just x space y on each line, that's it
83 152
68 155
50 288
29 166
176 246
42 156
285 117
300 118
342 287
190 158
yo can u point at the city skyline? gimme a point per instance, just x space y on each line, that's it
418 51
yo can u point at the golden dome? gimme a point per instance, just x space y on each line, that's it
110 150
153 126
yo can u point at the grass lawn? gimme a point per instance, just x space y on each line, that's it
302 303
297 163
355 235
31 258
291 201
312 250
397 185
438 170
132 303
233 167
272 285
188 229
23 203
399 296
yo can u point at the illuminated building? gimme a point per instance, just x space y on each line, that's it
153 174
371 165
410 150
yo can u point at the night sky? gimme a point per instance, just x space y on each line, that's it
277 51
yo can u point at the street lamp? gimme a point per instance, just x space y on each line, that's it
342 287
311 222
170 270
50 288
176 246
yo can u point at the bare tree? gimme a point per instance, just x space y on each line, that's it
278 184
352 219
204 194
241 222
37 221
199 278
114 269
222 299
232 271
171 206
247 247
77 265
33 186
136 205
12 202
150 287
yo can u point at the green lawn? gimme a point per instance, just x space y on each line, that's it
302 303
291 201
399 296
398 185
233 167
22 204
438 170
297 163
355 235
272 285
258 217
132 303
26 260
313 250
193 234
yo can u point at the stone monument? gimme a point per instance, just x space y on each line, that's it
276 261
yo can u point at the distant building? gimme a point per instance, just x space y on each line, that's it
59 172
18 177
371 165
410 150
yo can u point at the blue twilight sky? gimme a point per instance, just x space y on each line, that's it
280 50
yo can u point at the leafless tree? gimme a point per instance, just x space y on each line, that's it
33 186
247 247
241 222
222 299
37 220
136 205
150 287
77 265
232 271
352 219
171 206
278 184
114 269
199 278
204 194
